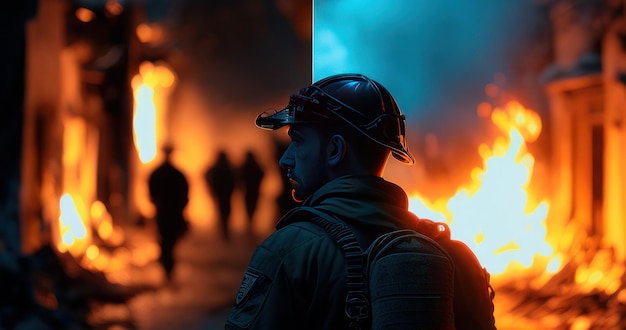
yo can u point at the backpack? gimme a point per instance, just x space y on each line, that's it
382 294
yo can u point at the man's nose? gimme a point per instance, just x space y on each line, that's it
286 160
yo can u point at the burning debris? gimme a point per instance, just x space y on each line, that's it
572 281
50 290
588 293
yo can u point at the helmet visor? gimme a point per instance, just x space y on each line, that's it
301 109
314 105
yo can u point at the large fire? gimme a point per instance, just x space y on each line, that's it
85 228
493 214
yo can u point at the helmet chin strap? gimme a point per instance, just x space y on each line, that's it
374 123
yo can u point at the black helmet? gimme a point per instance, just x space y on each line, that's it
349 98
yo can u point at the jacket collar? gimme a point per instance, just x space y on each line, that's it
370 200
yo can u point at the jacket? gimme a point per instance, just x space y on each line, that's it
296 278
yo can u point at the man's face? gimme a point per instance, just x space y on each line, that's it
305 161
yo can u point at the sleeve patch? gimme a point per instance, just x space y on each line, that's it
248 282
250 299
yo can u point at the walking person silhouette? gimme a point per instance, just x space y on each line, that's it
220 179
251 175
169 192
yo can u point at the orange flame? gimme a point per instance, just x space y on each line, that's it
74 235
144 123
492 214
80 158
81 224
151 88
81 216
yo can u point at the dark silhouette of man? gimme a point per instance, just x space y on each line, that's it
169 192
343 129
220 179
251 175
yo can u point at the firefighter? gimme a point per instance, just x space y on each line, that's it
342 129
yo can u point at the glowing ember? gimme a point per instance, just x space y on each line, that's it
149 33
92 252
102 221
85 15
492 214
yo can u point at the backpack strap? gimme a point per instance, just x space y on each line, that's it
357 302
385 242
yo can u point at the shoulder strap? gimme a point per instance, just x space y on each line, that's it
357 302
387 241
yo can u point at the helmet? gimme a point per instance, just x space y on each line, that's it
352 99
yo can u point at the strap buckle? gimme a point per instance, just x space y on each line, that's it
357 306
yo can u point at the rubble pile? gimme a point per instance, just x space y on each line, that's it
49 290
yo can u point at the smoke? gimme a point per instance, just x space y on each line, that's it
244 53
434 56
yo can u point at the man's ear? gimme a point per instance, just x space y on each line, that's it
336 150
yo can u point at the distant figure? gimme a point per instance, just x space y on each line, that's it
251 176
220 179
169 192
